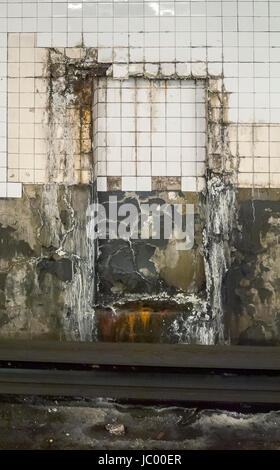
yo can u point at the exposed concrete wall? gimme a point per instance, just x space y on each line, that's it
251 289
43 252
145 292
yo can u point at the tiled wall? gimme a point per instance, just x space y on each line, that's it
7 189
3 115
145 128
27 102
236 39
258 149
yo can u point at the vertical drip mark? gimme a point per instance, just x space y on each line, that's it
220 203
80 293
70 161
219 207
74 244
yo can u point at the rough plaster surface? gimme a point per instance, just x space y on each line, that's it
44 262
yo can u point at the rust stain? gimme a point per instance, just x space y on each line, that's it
135 322
131 321
145 315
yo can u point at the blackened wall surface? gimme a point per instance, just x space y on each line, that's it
149 266
251 289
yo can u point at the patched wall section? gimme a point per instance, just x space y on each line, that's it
145 128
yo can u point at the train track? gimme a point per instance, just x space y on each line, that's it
142 372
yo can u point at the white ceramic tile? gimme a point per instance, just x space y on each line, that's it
144 183
189 168
129 183
189 184
101 183
44 39
14 190
128 169
114 169
3 175
159 169
3 189
275 180
173 169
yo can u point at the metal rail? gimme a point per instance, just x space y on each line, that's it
137 385
142 354
173 373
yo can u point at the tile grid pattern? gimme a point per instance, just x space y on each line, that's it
239 37
258 149
7 188
137 136
27 101
3 115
